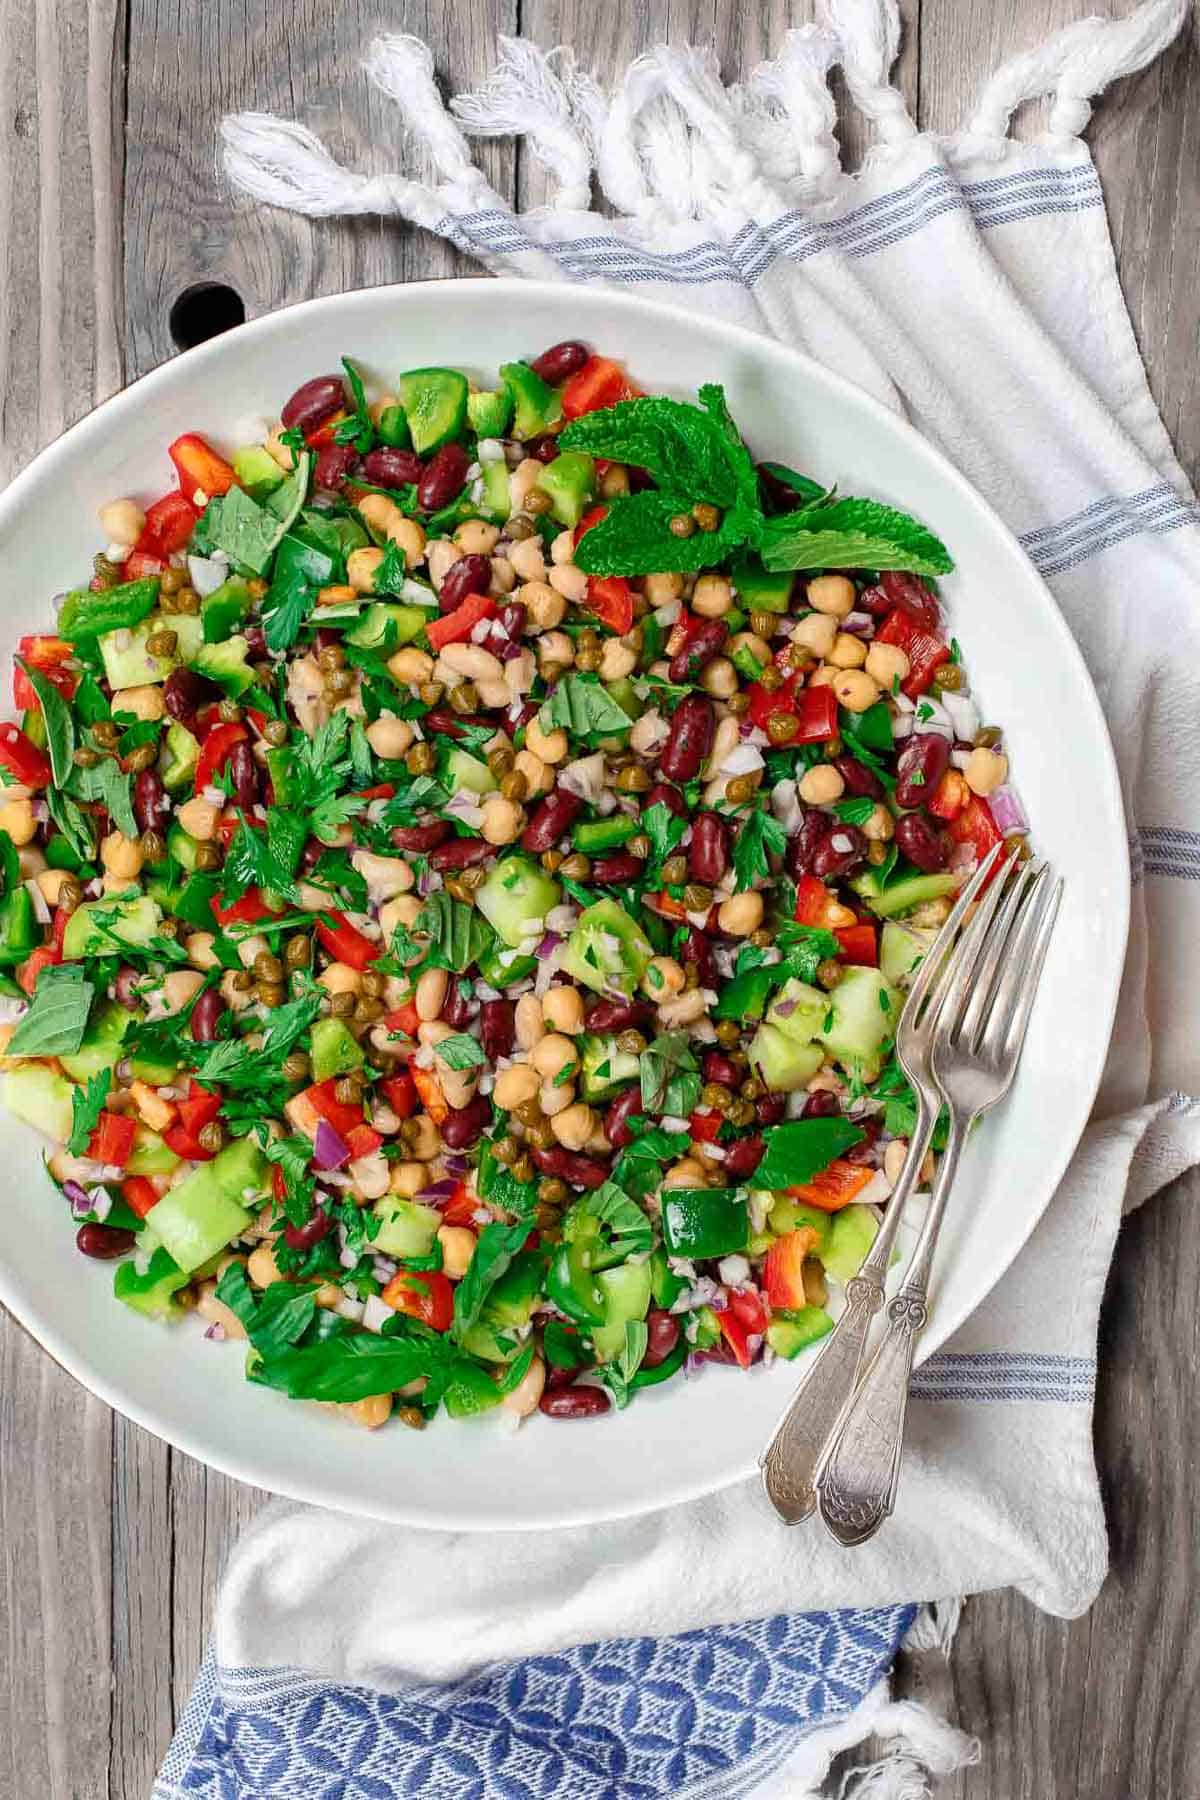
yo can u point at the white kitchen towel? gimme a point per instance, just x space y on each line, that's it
968 281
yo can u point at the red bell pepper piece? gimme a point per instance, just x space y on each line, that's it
812 897
400 1092
949 796
324 432
199 466
278 1183
783 1271
112 1139
461 1207
453 627
33 965
704 1126
404 1018
345 942
383 790
976 826
215 750
591 517
835 1186
814 709
198 1108
58 929
744 1318
667 905
323 1099
858 945
363 1140
22 758
428 1297
179 1139
925 653
46 655
610 597
169 525
913 596
598 384
137 565
139 1194
246 911
429 1090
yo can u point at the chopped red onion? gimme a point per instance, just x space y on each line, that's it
858 624
330 1151
1007 811
438 1192
548 945
81 1206
375 1313
457 1165
216 1334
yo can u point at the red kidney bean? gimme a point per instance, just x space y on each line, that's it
421 839
185 692
568 1165
820 1105
206 1016
706 639
743 1157
708 852
616 1130
440 723
150 803
663 793
313 402
662 1335
334 463
391 468
457 1010
125 989
920 766
689 739
560 360
770 1109
839 852
550 819
618 1015
721 1068
543 449
863 1153
804 844
777 496
557 1379
465 1125
462 853
913 596
311 854
697 948
873 600
574 1403
103 1241
469 575
256 640
917 839
858 778
325 637
303 1237
620 866
442 478
496 1028
243 776
513 618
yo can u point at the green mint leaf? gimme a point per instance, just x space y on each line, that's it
853 534
635 535
60 725
86 1106
285 608
670 1075
76 825
760 837
105 783
57 1016
801 1148
680 445
461 1051
808 490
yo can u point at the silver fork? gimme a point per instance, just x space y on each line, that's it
789 1462
977 1018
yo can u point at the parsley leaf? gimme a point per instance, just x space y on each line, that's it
461 1051
105 783
285 609
356 428
760 837
230 1061
57 1016
852 534
584 708
392 573
86 1106
801 1148
264 859
856 811
328 816
663 829
294 1156
76 826
805 948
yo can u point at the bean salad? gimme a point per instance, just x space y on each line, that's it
461 862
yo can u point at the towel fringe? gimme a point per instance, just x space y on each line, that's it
868 32
922 1748
528 94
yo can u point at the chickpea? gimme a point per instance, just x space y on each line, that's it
821 785
122 856
50 883
199 819
553 1054
575 1125
385 876
570 582
409 1178
372 1412
403 910
660 590
617 660
725 739
663 978
879 826
894 1158
458 1247
200 950
180 986
551 746
832 594
855 689
524 1398
122 521
503 820
504 576
261 1266
886 664
545 607
712 596
825 676
686 1009
816 633
562 1009
476 537
340 978
554 1099
522 481
690 1172
562 550
361 567
740 914
215 1311
528 1025
516 1085
17 818
719 678
848 651
519 672
430 995
986 770
410 667
539 778
528 559
555 652
390 738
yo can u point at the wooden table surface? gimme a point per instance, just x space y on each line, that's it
110 207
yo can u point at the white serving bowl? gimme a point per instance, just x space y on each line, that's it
687 1437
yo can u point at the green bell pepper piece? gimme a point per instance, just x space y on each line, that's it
19 929
224 610
572 1286
596 835
665 1285
89 615
670 1365
152 1293
701 1223
279 768
746 995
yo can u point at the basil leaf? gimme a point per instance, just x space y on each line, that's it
354 1368
629 1230
584 708
458 934
618 1375
60 724
57 1017
801 1148
496 1247
561 1346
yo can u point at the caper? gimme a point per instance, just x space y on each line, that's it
367 1009
341 1006
576 867
829 973
523 1169
738 704
295 1066
229 712
465 697
633 779
716 1097
514 785
142 758
763 624
548 1220
529 1112
85 758
430 692
683 525
987 739
212 1136
691 975
167 604
70 894
470 879
771 679
782 727
519 528
276 732
421 759
162 643
270 994
948 679
500 762
338 683
800 657
762 938
107 573
457 889
268 967
106 734
372 985
877 853
506 1150
675 870
551 1191
411 1130
412 1416
1019 844
696 897
631 1042
331 657
348 1089
728 1033
587 660
742 1113
170 582
298 954
741 789
537 502
187 600
707 517
208 857
169 928
552 861
639 846
153 846
541 1136
752 1088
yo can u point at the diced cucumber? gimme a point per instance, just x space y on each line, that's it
152 1293
782 1063
570 482
466 771
131 922
607 949
490 414
127 661
182 847
515 892
787 1215
626 1291
184 753
902 896
257 471
758 589
797 1010
101 1046
385 626
41 1097
406 1227
435 405
901 948
603 1067
538 405
851 1235
497 491
150 1156
864 1009
790 1333
194 1221
334 1050
226 664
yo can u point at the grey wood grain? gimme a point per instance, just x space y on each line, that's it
110 205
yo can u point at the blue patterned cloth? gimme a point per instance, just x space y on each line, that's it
705 1716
